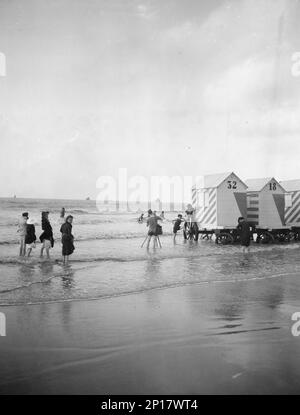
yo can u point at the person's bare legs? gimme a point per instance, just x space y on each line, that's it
148 242
29 252
42 252
47 252
21 248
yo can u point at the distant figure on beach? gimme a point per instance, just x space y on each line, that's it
141 218
245 233
22 230
162 215
46 237
152 223
30 236
177 225
62 216
67 238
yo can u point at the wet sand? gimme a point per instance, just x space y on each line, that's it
220 338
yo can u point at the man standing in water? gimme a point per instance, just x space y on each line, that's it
245 233
152 223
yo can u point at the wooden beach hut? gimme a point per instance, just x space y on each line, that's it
292 202
265 203
219 199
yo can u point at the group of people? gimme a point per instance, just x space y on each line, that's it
154 224
27 236
180 223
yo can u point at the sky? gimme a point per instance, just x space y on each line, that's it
172 87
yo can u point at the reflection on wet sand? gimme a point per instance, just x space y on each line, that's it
68 281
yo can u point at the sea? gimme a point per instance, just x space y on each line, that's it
109 259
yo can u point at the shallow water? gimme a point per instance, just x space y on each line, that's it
219 318
117 265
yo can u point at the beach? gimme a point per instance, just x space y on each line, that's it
187 318
225 338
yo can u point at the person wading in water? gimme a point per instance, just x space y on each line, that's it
67 238
46 237
152 223
245 234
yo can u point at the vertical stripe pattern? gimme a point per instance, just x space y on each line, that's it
207 214
292 213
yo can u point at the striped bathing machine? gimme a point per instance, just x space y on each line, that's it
219 199
265 203
292 202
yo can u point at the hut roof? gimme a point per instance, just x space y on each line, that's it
256 185
291 185
212 180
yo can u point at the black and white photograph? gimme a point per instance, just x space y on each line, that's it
149 200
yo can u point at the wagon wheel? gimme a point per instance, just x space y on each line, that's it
195 231
292 236
265 238
224 238
196 235
289 237
191 232
187 232
284 237
296 235
190 235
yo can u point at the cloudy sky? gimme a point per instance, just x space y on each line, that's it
166 87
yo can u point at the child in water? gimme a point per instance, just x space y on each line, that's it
177 225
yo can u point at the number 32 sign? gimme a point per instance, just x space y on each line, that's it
231 184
